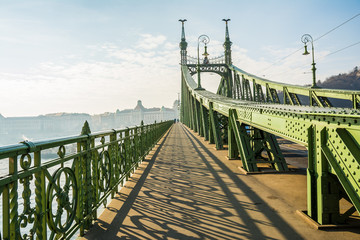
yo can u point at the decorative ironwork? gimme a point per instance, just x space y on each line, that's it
62 195
215 60
66 198
105 171
61 152
215 68
28 215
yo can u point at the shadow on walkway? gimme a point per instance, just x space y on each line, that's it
185 192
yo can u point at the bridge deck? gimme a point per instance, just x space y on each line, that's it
187 190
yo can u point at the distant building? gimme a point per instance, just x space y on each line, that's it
16 129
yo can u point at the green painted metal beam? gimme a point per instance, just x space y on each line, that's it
310 126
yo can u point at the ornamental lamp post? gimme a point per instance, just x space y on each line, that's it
305 39
205 40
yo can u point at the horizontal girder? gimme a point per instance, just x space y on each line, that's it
332 136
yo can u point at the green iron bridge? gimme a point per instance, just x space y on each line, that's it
59 197
247 114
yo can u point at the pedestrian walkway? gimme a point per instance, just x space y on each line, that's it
187 190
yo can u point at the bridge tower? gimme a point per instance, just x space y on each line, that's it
183 44
227 44
222 129
246 114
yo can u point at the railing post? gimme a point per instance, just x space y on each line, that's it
127 150
84 181
6 212
13 187
135 146
113 150
40 199
142 145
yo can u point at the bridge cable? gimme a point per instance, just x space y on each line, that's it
337 26
341 49
314 41
319 59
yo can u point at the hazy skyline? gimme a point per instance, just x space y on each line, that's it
99 56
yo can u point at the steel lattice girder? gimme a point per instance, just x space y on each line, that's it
332 136
317 95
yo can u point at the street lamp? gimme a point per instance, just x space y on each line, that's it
305 39
205 40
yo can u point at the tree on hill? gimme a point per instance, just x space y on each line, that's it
348 81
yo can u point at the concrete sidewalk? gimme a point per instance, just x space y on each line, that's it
187 190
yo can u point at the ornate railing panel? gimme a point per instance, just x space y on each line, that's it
52 197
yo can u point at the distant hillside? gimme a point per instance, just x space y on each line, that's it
350 81
347 81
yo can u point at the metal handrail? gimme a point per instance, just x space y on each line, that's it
301 90
60 196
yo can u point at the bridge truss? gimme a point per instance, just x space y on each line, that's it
249 113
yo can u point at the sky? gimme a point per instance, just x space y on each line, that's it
99 56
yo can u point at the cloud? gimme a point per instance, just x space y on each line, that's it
109 76
114 78
149 42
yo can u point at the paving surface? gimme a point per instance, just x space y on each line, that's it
186 189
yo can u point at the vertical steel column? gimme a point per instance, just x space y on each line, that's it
233 152
194 113
199 117
311 178
323 188
327 193
215 127
204 121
